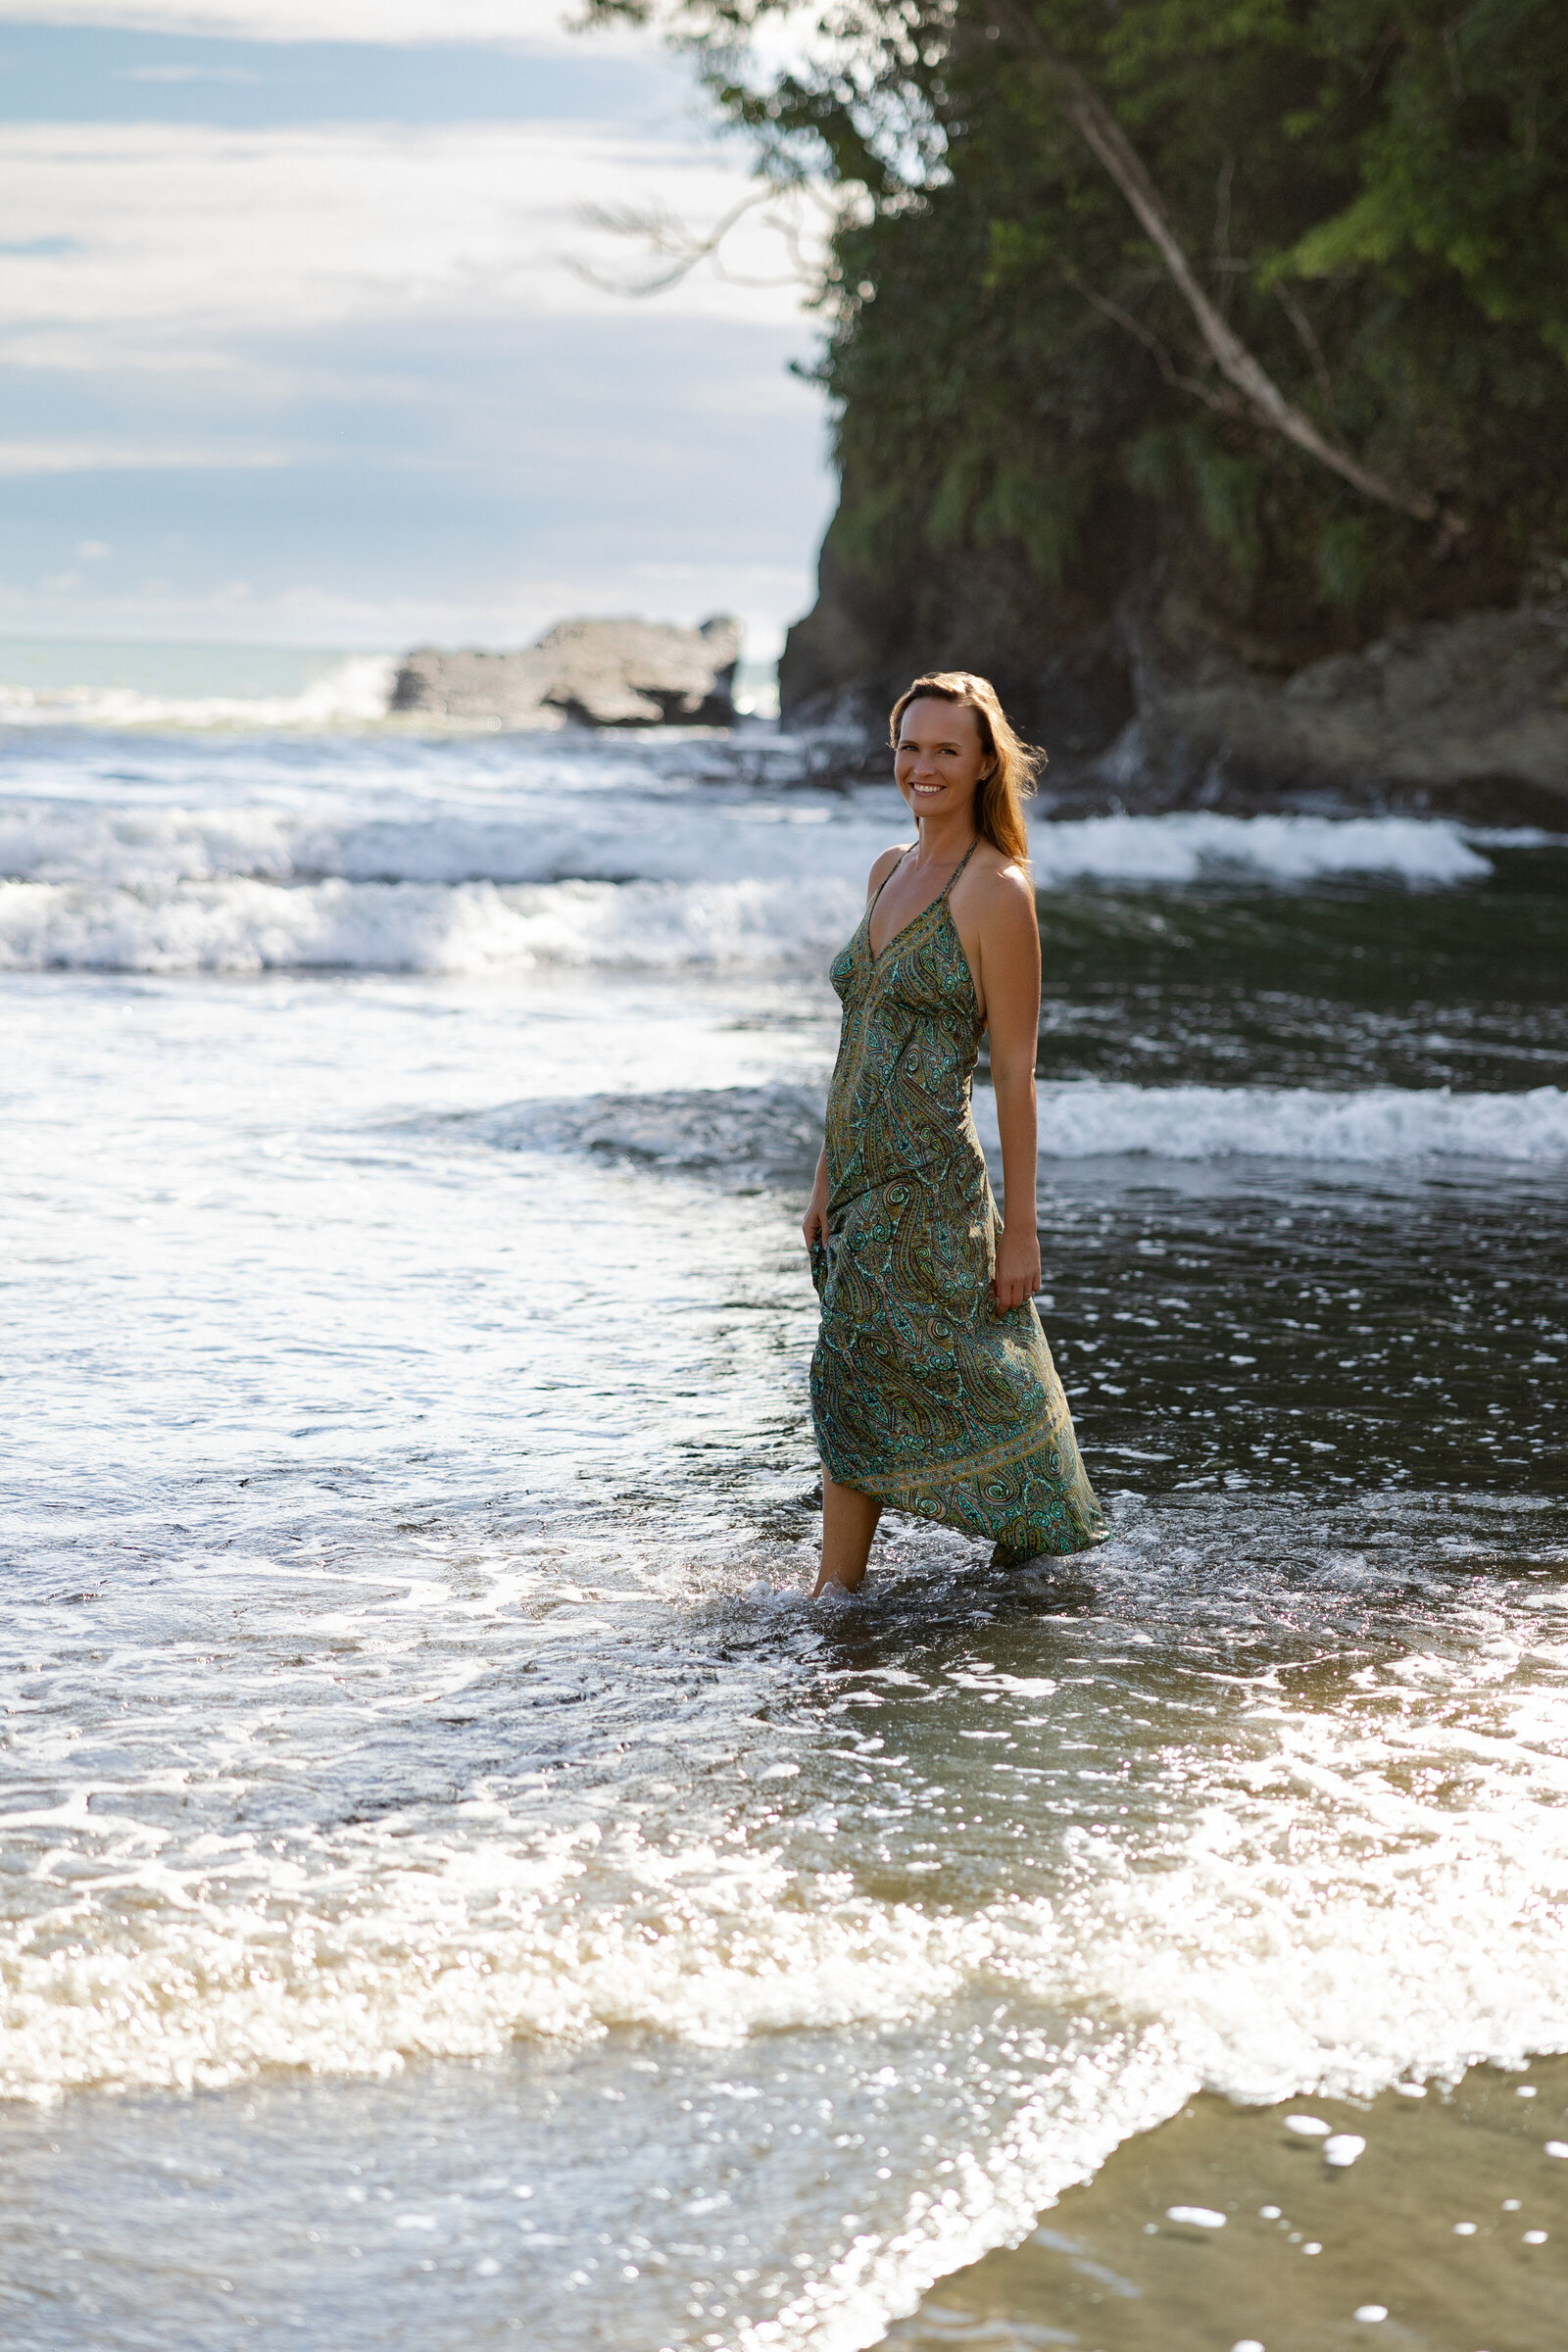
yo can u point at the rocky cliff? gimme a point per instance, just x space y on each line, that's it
601 673
1151 705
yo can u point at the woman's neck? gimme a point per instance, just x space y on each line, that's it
944 839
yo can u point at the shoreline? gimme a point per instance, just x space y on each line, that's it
1427 2226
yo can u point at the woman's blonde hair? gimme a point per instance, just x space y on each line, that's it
1009 781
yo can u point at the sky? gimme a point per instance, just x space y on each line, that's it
296 345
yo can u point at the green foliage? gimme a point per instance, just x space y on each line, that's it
1229 491
1463 173
957 495
1345 560
1374 192
1044 512
981 498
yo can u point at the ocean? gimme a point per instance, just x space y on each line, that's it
457 1890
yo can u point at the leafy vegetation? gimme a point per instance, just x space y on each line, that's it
1373 195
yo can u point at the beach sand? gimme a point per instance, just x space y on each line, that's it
1427 2226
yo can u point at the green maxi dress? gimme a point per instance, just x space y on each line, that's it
922 1394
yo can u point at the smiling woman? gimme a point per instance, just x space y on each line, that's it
932 1384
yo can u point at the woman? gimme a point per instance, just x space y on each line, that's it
932 1385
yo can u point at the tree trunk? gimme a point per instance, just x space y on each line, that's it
1104 134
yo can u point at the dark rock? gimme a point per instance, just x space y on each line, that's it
601 673
1465 718
1154 709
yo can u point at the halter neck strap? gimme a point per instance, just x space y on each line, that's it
958 868
947 885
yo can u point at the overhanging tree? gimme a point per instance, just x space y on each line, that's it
1293 271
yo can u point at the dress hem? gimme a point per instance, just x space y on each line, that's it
932 1511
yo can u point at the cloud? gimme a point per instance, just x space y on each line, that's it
506 611
183 73
19 457
330 379
192 231
392 483
119 352
538 25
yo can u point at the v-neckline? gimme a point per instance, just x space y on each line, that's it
877 954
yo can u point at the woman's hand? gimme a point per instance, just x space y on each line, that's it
1017 1275
814 1222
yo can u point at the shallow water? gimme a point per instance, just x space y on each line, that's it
454 1888
1437 2222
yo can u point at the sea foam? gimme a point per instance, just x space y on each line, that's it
358 689
409 820
255 888
253 925
1185 846
742 1132
1085 1117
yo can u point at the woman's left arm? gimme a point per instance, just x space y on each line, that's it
1009 936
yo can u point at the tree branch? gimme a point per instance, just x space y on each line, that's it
669 238
1306 337
1224 404
1090 116
673 242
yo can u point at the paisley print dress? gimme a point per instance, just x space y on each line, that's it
922 1394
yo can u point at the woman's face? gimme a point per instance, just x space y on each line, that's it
939 759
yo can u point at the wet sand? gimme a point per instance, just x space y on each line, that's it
1431 2226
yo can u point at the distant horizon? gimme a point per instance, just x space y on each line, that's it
350 649
78 680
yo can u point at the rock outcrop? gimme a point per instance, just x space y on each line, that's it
1464 716
599 673
1151 708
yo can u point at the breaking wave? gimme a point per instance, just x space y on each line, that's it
1088 1117
253 926
1185 846
614 828
354 692
575 870
742 1135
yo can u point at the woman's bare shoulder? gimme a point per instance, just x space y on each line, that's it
1004 889
885 864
